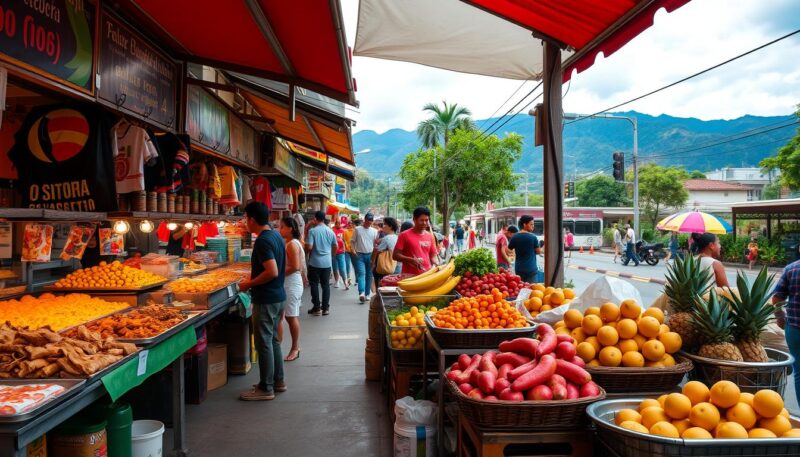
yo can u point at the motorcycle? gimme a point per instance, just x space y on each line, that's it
649 253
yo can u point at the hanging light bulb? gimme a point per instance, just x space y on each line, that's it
221 224
189 225
121 227
146 226
172 226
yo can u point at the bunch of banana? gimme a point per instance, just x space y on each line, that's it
426 287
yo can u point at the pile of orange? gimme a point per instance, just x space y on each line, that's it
480 312
546 298
613 336
56 312
722 411
112 275
203 284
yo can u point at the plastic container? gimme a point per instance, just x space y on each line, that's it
119 420
78 436
414 429
147 438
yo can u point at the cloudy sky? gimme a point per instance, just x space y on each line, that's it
696 36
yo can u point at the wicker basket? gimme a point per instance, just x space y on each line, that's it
640 380
749 376
513 415
627 443
448 338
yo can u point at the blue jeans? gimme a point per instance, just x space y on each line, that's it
341 265
460 245
793 341
363 266
270 359
527 276
630 254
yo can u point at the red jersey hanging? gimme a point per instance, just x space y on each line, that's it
64 158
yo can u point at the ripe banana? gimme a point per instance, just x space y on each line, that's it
420 298
421 283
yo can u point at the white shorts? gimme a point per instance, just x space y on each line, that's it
294 294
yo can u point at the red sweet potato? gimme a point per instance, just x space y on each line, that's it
476 394
521 370
548 341
559 392
465 388
490 355
486 381
565 350
524 346
510 395
557 379
502 372
572 391
453 374
572 372
590 389
490 398
500 385
578 361
487 364
540 392
512 358
464 361
565 338
538 375
473 377
467 372
456 366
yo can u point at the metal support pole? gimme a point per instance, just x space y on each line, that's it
436 189
553 167
179 445
526 188
635 178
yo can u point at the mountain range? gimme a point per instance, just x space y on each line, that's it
589 143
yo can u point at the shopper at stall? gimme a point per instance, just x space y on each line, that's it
630 243
788 318
752 252
382 259
268 269
347 238
175 242
459 238
301 224
416 248
618 248
674 245
295 282
525 246
361 248
569 242
321 246
708 250
471 239
341 268
501 251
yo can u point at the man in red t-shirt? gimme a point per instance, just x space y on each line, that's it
416 248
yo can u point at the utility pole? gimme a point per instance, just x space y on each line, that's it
436 189
635 176
526 187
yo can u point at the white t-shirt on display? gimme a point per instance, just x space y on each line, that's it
132 150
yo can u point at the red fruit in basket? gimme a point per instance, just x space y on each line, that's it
500 385
572 391
476 394
468 274
503 370
559 392
465 388
464 361
545 369
573 372
510 395
453 374
578 361
524 346
455 366
473 377
557 379
521 370
564 338
547 345
512 358
487 365
541 392
490 398
473 366
491 355
486 381
590 389
565 350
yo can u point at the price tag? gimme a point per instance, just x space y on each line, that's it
142 368
231 290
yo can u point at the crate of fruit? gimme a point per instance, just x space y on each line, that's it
720 421
405 328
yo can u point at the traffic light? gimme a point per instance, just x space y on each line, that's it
619 166
566 189
569 189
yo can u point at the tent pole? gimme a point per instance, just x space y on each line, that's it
553 167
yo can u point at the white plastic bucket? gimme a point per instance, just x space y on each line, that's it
414 440
147 438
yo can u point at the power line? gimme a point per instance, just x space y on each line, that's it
688 77
512 109
503 104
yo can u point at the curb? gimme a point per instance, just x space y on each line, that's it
618 274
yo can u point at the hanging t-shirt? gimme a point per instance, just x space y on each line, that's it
227 177
238 183
132 151
175 151
246 193
64 159
214 190
262 191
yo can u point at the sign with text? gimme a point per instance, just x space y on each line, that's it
53 38
286 163
207 120
134 75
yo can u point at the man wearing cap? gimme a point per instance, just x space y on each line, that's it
361 247
321 245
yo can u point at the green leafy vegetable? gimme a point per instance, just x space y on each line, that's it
478 261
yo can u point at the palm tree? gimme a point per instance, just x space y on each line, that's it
445 120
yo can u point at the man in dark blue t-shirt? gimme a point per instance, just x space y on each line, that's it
525 246
459 238
268 265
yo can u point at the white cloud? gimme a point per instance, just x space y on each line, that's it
700 34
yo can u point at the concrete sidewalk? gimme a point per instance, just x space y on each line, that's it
329 409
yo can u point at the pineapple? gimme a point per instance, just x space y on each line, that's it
685 281
712 321
752 311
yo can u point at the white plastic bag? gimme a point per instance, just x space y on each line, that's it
414 428
415 412
604 289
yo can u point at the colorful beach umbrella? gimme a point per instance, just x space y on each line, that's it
694 222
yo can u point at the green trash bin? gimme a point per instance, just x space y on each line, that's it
118 417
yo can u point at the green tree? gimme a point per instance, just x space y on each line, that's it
367 192
476 171
772 191
518 199
661 188
697 174
437 129
600 190
787 161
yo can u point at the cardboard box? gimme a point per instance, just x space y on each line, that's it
217 365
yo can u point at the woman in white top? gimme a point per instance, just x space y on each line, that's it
708 250
294 283
387 243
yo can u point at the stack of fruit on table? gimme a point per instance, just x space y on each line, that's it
508 283
721 412
407 326
546 298
206 283
56 312
428 286
490 311
394 280
112 275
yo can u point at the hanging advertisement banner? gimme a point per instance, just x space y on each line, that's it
53 38
286 163
133 75
207 120
244 141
